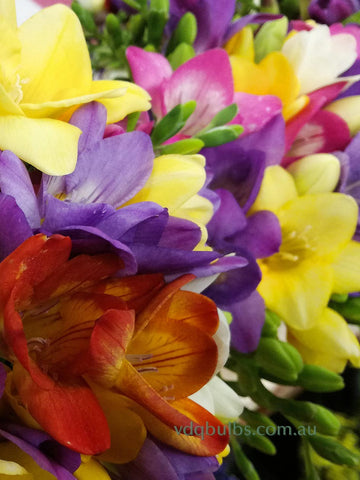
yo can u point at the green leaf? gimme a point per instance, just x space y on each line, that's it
354 18
183 147
220 135
172 123
224 116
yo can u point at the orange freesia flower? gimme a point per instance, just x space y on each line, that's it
99 360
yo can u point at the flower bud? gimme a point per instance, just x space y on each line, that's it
333 451
319 379
279 359
185 31
92 5
317 173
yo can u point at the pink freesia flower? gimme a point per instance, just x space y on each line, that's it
207 79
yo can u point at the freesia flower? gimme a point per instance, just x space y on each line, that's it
293 72
100 360
332 11
317 255
45 75
29 452
207 79
151 214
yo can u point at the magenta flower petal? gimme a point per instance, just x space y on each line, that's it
149 70
207 79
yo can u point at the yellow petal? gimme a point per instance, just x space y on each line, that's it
55 61
298 294
173 181
8 11
348 109
248 77
49 145
332 336
58 107
242 44
30 469
347 269
293 108
277 188
281 77
91 470
7 105
135 99
324 223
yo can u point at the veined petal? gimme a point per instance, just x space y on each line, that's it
347 269
277 188
330 336
55 60
173 181
134 100
323 222
47 144
298 294
69 413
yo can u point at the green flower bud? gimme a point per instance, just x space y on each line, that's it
319 379
158 16
278 358
271 324
313 415
256 419
242 462
180 55
270 38
260 442
333 451
185 32
114 29
317 173
350 309
86 19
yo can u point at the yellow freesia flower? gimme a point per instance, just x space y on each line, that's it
272 76
174 183
330 343
45 74
317 256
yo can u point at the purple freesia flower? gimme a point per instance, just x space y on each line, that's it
235 173
84 205
332 11
156 460
47 453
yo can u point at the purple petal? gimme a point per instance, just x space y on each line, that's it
113 171
181 234
91 119
14 228
235 285
144 221
243 21
255 111
222 265
92 241
332 11
248 320
213 19
59 214
152 259
207 79
150 70
15 181
32 442
227 222
262 235
186 464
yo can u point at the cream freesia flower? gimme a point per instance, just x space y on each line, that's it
45 74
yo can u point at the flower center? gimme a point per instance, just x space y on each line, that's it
295 247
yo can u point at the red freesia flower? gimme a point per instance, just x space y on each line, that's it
99 360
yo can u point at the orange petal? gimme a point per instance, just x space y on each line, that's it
136 291
69 413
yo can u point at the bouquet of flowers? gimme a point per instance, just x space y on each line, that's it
179 241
